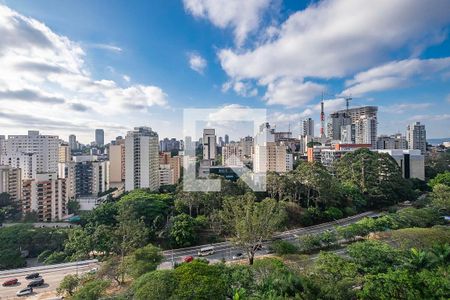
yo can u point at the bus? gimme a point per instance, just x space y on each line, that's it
206 251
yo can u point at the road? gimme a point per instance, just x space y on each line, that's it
226 250
52 277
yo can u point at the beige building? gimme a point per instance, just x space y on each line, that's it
233 155
11 182
64 154
117 163
46 195
169 168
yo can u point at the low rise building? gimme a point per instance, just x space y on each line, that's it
411 162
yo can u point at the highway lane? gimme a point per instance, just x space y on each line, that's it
226 250
52 278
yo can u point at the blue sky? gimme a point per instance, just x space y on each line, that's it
72 66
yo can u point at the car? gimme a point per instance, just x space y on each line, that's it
11 281
32 276
92 271
206 251
238 255
188 259
37 282
25 292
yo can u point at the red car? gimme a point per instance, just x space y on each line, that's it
188 259
10 282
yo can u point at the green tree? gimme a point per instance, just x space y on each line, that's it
130 234
11 259
92 290
198 280
183 231
68 285
374 256
376 175
144 260
250 223
440 198
283 247
159 284
442 178
73 206
395 284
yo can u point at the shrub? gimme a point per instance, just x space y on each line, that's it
43 256
310 242
55 258
283 248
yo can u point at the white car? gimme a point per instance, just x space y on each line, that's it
25 292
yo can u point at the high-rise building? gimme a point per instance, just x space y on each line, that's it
396 141
268 156
44 147
209 144
73 142
221 142
227 139
46 195
233 155
168 145
308 127
11 182
26 162
117 163
247 146
170 168
335 122
64 154
99 137
348 134
417 137
366 131
141 159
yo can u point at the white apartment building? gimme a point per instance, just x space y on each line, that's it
141 159
167 161
417 137
166 175
45 147
366 131
268 156
411 162
64 153
26 162
209 144
46 195
396 141
11 182
308 127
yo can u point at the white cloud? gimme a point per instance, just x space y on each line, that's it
106 47
440 117
197 63
395 74
242 16
126 78
335 39
404 107
291 93
244 89
38 65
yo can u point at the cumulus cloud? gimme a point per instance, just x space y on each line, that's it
244 89
197 63
395 74
291 93
335 39
39 66
241 16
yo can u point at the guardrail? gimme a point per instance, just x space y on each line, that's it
48 267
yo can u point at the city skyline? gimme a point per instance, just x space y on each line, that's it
63 76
